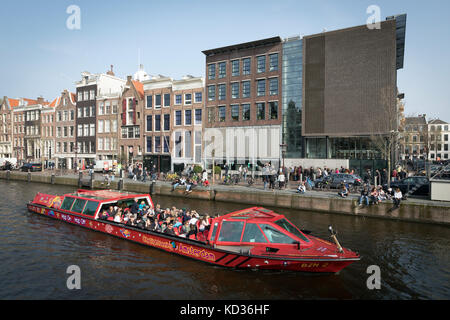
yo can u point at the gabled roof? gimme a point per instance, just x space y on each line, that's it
139 88
437 121
55 102
415 120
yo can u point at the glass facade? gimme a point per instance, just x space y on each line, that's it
292 84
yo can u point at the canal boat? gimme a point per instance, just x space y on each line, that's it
254 238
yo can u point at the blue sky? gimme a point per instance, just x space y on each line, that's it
41 56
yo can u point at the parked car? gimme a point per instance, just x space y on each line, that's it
32 167
334 181
407 184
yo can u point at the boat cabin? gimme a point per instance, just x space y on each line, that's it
257 231
91 203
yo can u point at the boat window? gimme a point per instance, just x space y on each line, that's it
286 225
67 203
231 231
275 236
90 209
78 205
213 234
253 234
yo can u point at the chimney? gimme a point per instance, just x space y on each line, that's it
40 100
128 79
111 72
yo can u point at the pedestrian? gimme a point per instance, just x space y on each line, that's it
281 179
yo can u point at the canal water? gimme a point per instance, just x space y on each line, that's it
36 251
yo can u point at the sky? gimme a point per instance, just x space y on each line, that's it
41 56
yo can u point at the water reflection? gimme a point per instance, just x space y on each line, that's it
413 258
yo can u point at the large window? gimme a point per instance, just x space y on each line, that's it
157 122
158 101
188 117
157 144
273 86
253 234
245 112
90 208
166 122
178 121
231 231
149 123
275 236
222 114
261 64
235 90
211 93
235 112
286 225
222 70
273 110
246 66
198 116
211 71
178 99
273 62
188 99
167 100
235 65
67 203
198 97
222 91
246 89
260 111
149 102
149 144
78 205
261 89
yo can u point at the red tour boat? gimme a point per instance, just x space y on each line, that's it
254 238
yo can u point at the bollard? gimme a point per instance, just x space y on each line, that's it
120 185
91 182
53 179
8 174
80 177
29 177
152 187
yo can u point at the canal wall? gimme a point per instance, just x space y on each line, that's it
421 211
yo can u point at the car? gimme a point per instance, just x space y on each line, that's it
407 185
7 166
334 181
32 167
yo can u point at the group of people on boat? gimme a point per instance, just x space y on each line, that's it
178 222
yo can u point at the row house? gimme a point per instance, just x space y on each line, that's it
33 130
107 126
173 117
60 124
6 131
88 89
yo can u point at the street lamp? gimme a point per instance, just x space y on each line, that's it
283 151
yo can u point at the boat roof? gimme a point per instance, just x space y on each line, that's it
102 195
255 214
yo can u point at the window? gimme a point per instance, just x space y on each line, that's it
231 231
100 143
235 66
260 111
149 102
101 109
286 225
92 94
188 99
261 64
149 123
275 236
273 62
273 86
114 126
198 116
188 144
235 90
67 203
91 208
108 107
222 70
92 129
80 96
149 144
198 97
211 93
211 115
166 144
246 89
222 114
86 130
178 99
157 122
100 126
166 100
158 101
261 89
178 118
166 122
78 205
222 91
177 144
80 130
273 110
211 71
107 145
245 112
157 144
188 117
246 66
253 234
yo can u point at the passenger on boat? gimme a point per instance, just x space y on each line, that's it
111 212
104 215
204 224
134 207
169 230
131 221
118 217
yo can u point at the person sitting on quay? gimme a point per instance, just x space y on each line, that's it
343 191
301 188
374 196
398 196
364 196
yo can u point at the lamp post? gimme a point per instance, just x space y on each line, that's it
283 152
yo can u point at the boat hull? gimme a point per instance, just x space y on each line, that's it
197 250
